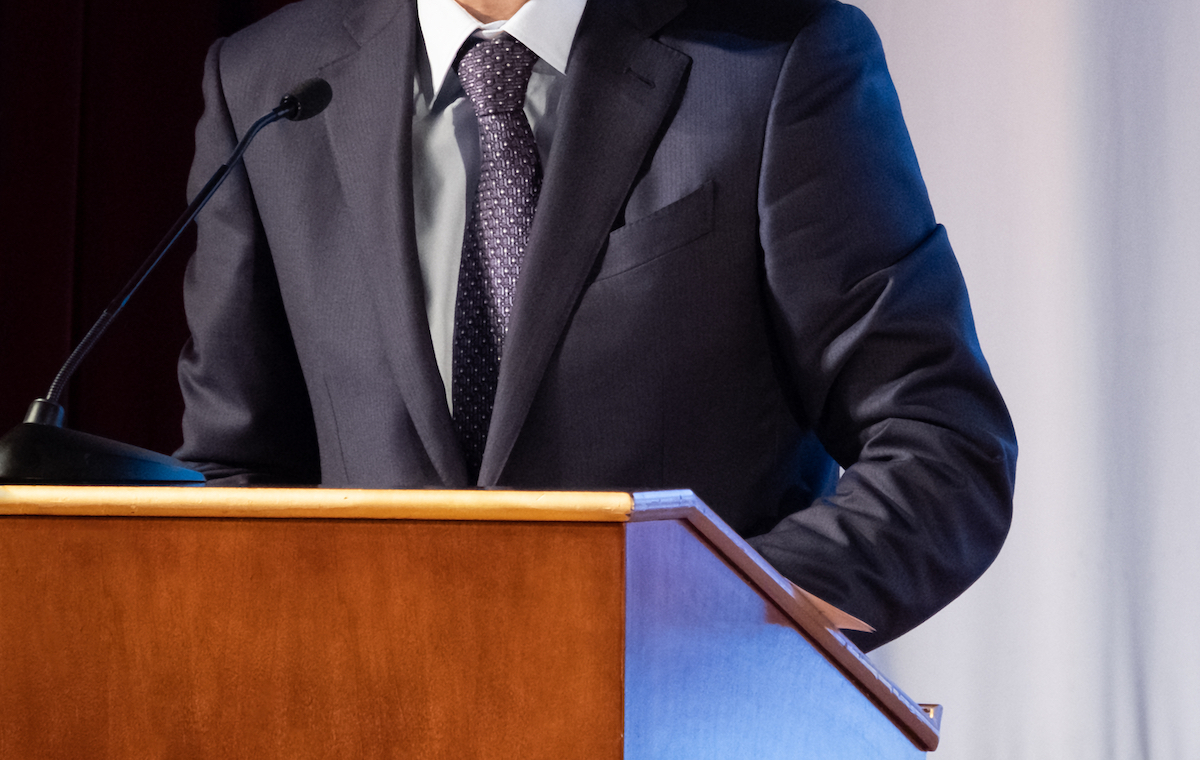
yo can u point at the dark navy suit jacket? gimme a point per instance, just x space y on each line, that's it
733 269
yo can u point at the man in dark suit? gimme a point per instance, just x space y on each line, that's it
733 283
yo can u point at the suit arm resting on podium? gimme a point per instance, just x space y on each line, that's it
247 419
876 330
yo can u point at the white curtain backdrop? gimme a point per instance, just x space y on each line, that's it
1060 140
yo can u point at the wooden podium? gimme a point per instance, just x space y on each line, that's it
311 623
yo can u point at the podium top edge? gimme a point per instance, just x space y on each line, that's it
310 503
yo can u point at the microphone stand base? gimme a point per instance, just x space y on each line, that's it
45 454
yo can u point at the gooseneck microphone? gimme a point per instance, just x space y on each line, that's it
40 450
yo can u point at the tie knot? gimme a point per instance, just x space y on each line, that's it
494 73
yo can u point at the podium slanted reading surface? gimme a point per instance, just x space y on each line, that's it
311 623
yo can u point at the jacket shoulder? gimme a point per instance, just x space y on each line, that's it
827 22
291 44
292 28
768 20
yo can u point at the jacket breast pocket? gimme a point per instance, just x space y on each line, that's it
659 233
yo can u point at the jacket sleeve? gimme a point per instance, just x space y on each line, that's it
879 346
247 416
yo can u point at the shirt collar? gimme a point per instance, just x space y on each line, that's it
547 27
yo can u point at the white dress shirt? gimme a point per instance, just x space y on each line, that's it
446 136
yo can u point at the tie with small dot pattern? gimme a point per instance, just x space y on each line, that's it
494 75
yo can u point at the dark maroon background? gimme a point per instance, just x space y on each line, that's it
98 101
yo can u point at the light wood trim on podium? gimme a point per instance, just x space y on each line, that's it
119 501
919 726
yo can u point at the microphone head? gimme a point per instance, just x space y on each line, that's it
306 99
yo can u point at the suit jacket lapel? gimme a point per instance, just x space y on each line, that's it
370 129
620 87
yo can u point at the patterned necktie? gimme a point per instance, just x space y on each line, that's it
494 74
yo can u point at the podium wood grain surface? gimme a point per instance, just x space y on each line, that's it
271 623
